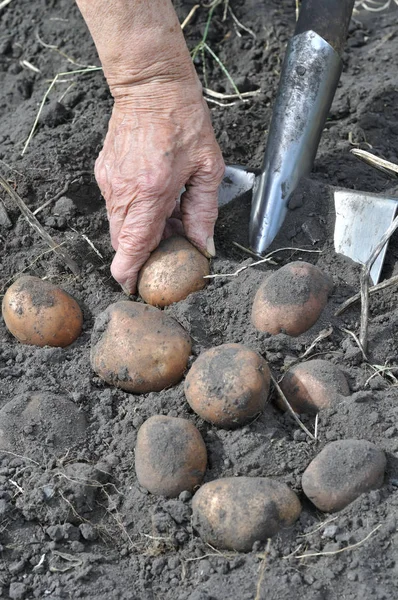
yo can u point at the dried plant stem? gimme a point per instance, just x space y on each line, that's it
189 16
34 223
372 290
289 408
332 553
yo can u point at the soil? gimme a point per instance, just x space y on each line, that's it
74 522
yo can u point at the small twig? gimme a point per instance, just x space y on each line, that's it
333 552
258 262
358 343
297 9
365 274
246 250
230 96
4 3
89 242
289 408
318 528
39 564
316 426
28 65
240 25
325 333
189 16
385 166
34 223
222 104
15 484
57 196
224 69
262 570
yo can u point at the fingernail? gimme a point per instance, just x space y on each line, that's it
125 290
210 247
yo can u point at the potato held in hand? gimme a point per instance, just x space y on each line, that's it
39 313
139 348
235 512
170 456
313 385
228 385
291 300
172 272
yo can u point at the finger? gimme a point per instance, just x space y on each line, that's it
199 205
140 234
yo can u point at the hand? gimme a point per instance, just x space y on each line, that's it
160 138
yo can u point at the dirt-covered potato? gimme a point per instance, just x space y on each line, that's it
313 385
235 512
170 456
172 272
291 300
39 313
37 423
228 385
341 472
139 348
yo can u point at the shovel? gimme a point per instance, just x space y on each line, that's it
309 78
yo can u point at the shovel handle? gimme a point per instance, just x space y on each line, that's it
328 18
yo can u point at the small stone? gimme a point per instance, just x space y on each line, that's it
330 531
88 532
17 567
71 532
64 207
185 496
55 532
343 471
17 591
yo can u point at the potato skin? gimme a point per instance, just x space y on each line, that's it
139 348
39 313
291 299
341 472
172 272
235 512
313 385
228 385
170 456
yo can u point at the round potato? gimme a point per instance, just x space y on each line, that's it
170 456
37 423
313 385
228 385
172 272
291 300
341 472
139 348
235 512
39 313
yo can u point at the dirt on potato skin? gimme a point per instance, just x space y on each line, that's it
119 541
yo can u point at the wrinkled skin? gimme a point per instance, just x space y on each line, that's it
160 136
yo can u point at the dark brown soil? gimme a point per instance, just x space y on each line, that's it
77 524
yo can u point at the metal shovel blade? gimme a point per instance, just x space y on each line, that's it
361 221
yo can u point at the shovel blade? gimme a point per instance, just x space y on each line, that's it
361 221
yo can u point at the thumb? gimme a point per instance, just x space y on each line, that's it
199 205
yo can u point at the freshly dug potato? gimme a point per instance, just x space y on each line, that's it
139 348
38 422
172 272
170 456
228 385
313 385
341 472
235 512
291 299
39 313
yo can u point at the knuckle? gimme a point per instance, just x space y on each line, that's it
153 183
213 169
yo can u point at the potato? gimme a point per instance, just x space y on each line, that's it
172 272
291 299
313 385
235 512
228 385
341 472
139 348
38 422
39 313
170 456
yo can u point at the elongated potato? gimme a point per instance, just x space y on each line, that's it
170 456
139 348
173 271
291 300
39 313
228 385
313 385
235 512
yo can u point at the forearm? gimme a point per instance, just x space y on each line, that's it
137 41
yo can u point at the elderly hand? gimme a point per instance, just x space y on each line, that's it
160 136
